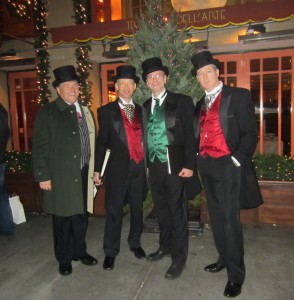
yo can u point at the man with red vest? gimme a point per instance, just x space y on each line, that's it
120 130
226 133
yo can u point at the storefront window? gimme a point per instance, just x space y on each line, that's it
100 11
268 76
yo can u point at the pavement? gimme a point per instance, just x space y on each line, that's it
29 270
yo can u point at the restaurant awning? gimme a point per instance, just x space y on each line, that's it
235 15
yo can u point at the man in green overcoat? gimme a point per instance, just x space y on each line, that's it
63 158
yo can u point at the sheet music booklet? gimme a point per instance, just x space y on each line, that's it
106 157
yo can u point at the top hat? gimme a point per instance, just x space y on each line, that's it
128 72
202 59
151 65
64 73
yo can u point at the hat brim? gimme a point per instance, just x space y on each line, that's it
153 69
136 78
215 62
56 83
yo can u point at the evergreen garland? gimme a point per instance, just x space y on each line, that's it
82 54
42 55
158 36
23 9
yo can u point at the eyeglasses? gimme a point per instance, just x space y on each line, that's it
157 76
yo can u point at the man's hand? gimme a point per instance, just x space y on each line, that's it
45 185
97 179
186 173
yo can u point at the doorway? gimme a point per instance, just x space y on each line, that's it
23 93
108 89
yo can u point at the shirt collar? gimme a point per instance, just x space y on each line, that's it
216 90
78 107
161 97
125 102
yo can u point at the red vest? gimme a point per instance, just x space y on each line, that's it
134 137
212 140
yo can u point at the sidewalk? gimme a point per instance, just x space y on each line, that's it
29 271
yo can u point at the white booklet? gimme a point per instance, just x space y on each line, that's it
105 162
94 191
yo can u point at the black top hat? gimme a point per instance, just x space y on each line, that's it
151 65
202 59
64 73
128 72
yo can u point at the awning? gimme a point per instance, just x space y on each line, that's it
235 15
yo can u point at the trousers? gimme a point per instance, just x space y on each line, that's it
69 233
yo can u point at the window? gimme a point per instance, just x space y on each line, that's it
108 89
110 10
269 76
23 94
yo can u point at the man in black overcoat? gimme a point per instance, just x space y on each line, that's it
120 130
226 133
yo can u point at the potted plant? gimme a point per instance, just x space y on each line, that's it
276 181
20 180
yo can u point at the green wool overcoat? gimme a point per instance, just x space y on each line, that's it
57 154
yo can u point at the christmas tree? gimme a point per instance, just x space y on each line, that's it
158 35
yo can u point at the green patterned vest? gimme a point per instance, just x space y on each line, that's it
157 138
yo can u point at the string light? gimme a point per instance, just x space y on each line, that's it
36 9
21 9
42 55
274 167
18 162
82 54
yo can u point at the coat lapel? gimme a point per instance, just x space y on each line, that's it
223 110
118 122
196 119
170 117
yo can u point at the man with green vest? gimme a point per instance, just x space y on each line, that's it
168 126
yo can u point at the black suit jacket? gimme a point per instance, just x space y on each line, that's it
179 129
112 135
240 130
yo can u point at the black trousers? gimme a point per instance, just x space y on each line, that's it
69 232
169 197
221 181
134 192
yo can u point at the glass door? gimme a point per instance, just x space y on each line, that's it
269 77
23 94
108 89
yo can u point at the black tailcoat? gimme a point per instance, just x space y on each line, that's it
168 190
239 127
119 186
178 121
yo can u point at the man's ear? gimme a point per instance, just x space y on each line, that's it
165 79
